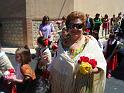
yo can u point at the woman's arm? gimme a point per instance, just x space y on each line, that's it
18 80
40 30
40 33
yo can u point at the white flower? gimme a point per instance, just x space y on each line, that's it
6 73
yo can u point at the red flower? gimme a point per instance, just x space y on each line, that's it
93 62
79 61
84 59
46 42
11 70
87 30
55 46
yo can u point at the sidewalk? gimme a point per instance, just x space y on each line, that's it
12 50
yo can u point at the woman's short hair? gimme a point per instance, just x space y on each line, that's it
75 15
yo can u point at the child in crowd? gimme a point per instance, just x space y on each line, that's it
110 52
63 35
24 73
5 73
43 56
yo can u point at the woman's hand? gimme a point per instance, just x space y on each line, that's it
95 70
44 60
45 57
14 80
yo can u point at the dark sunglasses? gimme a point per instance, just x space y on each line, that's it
78 26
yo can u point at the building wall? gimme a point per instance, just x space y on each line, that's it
12 8
99 6
36 9
13 20
52 8
12 32
20 18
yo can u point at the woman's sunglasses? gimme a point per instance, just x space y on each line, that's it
78 26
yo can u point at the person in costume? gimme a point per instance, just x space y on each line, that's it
110 52
105 25
43 57
79 65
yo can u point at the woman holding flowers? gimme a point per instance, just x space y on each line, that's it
79 65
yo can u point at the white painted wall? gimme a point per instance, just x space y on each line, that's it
52 8
99 6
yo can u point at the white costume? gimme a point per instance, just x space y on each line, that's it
65 76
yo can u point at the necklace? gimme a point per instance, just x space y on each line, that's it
69 41
77 48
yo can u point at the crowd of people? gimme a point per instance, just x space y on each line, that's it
75 63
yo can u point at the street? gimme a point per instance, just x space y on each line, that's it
113 85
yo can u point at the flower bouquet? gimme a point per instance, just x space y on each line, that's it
46 42
9 74
86 65
87 30
54 46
